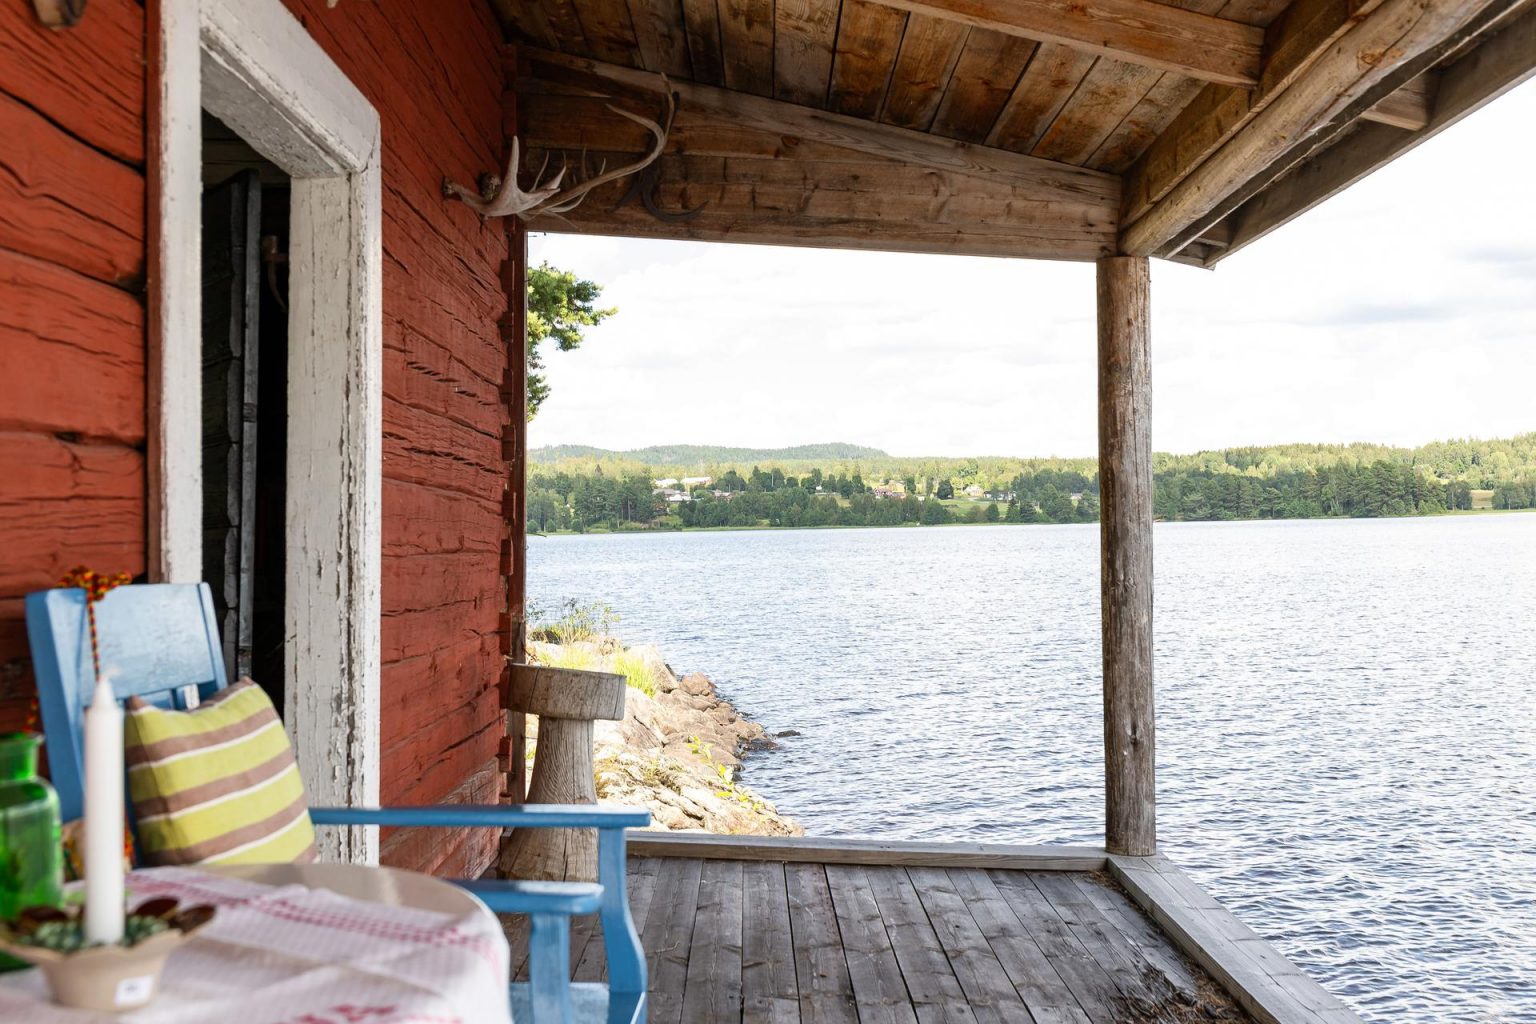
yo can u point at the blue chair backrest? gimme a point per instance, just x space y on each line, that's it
159 641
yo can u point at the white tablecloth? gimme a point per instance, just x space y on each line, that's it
295 955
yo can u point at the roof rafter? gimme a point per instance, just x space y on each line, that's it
1143 32
1500 63
1358 66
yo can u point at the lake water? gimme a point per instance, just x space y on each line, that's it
1346 713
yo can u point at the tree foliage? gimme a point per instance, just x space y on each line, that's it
561 307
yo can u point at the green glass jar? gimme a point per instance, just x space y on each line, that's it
31 855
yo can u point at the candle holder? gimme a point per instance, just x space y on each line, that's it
104 978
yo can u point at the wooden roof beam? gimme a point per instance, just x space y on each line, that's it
1046 179
1393 36
1408 108
1502 61
1142 32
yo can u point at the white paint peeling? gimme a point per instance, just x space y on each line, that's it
259 71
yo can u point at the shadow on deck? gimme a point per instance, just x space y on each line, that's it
754 933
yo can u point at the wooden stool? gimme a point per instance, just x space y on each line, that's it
567 702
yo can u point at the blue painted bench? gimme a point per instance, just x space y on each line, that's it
161 642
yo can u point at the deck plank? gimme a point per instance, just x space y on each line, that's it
826 992
986 985
878 989
1031 972
668 936
1095 990
1151 943
769 992
713 988
936 992
765 941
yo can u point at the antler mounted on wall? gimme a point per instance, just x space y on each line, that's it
501 197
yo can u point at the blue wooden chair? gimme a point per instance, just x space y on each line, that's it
162 643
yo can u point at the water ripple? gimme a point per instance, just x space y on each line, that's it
1345 714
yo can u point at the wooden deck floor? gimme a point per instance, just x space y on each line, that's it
763 941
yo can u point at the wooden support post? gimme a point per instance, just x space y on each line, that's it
1125 487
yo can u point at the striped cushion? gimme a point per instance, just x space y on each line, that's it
217 784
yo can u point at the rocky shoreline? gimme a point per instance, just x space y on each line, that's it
678 752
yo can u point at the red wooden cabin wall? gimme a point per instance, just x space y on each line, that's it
73 344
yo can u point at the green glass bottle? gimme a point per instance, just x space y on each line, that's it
31 855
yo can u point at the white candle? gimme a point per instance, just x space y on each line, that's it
103 817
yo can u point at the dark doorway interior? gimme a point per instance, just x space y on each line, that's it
245 388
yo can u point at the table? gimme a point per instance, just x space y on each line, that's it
311 944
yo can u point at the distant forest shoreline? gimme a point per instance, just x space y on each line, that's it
846 486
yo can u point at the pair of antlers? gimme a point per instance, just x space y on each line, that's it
501 197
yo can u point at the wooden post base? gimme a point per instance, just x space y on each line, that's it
567 702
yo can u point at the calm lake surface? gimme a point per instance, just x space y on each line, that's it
1346 713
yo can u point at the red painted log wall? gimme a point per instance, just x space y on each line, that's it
71 310
72 361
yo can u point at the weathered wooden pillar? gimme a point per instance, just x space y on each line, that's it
1125 531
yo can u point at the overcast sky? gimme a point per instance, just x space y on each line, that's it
1402 311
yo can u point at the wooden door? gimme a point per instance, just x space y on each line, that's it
231 315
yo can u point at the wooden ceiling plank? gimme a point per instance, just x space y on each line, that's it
1392 36
1500 63
1053 75
1046 178
702 28
983 80
930 49
1408 108
661 36
746 44
1105 98
561 18
527 20
868 39
1140 32
610 33
1150 118
804 34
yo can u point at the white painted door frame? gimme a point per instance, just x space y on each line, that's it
252 64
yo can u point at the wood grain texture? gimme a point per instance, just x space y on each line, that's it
63 335
1143 32
63 201
881 140
1053 75
747 45
930 49
704 29
89 80
804 32
1500 62
1125 486
1391 36
981 84
866 851
868 40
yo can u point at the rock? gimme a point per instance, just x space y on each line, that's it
677 753
785 734
697 683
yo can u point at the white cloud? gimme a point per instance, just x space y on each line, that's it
1402 310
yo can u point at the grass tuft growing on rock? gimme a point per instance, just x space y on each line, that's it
636 672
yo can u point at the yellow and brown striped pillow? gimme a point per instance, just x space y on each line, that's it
217 784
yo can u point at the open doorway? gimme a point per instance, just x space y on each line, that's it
245 213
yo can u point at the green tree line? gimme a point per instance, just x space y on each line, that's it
1187 488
